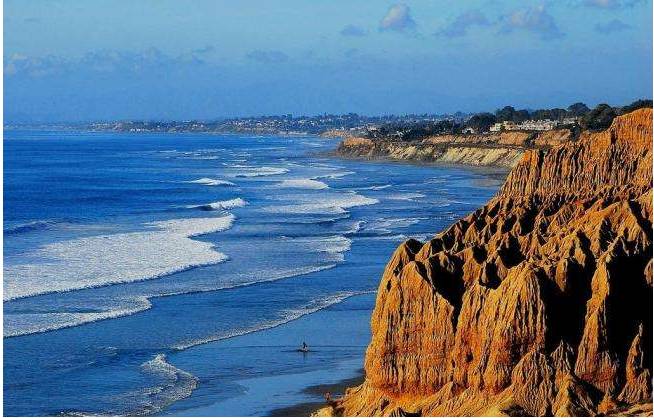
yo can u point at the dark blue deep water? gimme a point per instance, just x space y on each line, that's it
176 273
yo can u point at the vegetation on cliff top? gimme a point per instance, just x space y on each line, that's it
595 119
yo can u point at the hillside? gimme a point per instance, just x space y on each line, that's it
538 303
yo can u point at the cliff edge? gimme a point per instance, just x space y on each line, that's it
538 303
503 149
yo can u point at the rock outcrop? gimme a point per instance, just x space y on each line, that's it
503 149
539 303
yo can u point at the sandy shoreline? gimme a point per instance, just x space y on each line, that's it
305 409
333 365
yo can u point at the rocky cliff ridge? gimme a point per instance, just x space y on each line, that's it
538 303
503 149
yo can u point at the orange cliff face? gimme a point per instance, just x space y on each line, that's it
539 303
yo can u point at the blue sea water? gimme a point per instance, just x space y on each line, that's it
177 273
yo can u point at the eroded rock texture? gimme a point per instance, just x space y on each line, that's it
539 303
504 149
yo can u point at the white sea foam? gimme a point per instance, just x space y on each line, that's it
325 165
382 187
221 205
199 154
175 384
211 182
406 196
389 225
34 323
356 227
192 227
119 258
251 171
25 324
422 237
399 237
336 175
334 204
302 184
285 317
332 246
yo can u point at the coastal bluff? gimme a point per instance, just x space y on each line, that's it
501 149
538 303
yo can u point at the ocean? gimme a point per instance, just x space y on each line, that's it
176 274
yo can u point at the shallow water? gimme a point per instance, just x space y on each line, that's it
133 262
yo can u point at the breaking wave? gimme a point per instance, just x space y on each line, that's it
174 384
286 316
390 225
249 171
221 205
303 184
25 324
382 187
134 256
336 175
36 323
328 205
406 196
211 182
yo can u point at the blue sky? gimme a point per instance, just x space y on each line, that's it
159 59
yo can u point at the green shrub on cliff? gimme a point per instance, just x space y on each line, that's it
638 104
599 118
481 122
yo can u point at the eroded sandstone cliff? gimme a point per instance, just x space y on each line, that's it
503 149
539 303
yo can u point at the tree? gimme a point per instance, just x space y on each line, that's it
481 122
521 116
638 104
541 114
558 113
578 109
509 113
599 118
553 114
504 114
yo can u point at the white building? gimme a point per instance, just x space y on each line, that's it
528 125
570 121
539 125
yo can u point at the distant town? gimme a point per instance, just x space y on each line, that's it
398 127
278 125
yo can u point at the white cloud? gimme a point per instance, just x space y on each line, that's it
534 19
398 18
459 26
